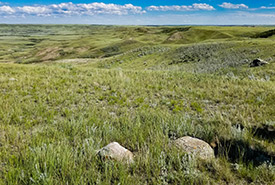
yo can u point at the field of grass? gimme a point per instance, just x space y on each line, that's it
68 90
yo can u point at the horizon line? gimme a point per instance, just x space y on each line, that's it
140 24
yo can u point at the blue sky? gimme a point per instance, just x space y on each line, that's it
139 12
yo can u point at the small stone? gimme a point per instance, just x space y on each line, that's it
195 147
116 152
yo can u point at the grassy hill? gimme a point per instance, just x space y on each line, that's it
68 90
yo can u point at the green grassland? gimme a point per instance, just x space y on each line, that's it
68 90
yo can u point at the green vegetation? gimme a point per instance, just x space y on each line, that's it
88 86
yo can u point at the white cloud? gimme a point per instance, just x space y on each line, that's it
6 10
194 7
34 10
73 9
202 6
233 6
267 8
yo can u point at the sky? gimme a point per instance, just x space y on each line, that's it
139 12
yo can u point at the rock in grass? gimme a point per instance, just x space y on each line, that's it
116 152
195 147
258 62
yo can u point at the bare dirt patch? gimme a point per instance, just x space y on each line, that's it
77 60
49 53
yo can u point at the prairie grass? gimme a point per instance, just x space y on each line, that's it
54 118
55 115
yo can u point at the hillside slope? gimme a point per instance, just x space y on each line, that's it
68 90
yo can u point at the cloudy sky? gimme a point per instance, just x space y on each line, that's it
139 12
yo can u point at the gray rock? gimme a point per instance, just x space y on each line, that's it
195 147
258 62
116 152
